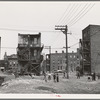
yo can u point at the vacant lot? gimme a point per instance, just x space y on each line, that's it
26 84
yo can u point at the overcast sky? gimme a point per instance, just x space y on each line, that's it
15 17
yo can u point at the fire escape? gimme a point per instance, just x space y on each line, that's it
86 59
29 54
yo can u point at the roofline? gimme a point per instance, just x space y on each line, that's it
90 26
29 34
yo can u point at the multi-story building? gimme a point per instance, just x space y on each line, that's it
90 49
11 62
29 53
57 61
2 65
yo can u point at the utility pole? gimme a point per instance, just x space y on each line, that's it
49 47
64 29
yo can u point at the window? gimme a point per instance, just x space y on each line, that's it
70 56
74 56
61 61
58 61
53 61
14 63
61 67
35 40
25 40
84 35
35 52
58 67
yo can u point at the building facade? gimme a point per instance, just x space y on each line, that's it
2 65
11 62
90 49
57 61
29 53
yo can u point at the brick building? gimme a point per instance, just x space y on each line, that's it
90 49
2 65
57 61
29 53
11 62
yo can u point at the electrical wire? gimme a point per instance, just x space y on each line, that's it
63 14
69 12
81 16
74 44
75 10
78 13
10 29
8 47
56 39
43 48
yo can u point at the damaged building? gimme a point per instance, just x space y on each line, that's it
29 53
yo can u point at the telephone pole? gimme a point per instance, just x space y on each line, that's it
64 29
49 47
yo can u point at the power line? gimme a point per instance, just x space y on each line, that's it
69 12
43 48
10 29
8 47
74 44
77 13
82 15
64 13
74 37
74 11
56 39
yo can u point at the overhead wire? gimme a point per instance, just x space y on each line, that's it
56 39
44 47
63 14
71 15
29 30
78 13
74 44
82 16
11 29
69 12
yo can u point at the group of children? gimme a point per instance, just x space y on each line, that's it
55 77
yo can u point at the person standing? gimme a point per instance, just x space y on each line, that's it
45 78
54 77
57 77
49 77
64 75
78 75
93 76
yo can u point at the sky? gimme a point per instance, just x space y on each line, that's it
34 17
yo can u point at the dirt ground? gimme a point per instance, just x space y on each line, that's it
25 84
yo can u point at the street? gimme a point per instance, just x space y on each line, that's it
25 84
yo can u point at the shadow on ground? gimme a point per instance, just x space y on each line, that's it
46 88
